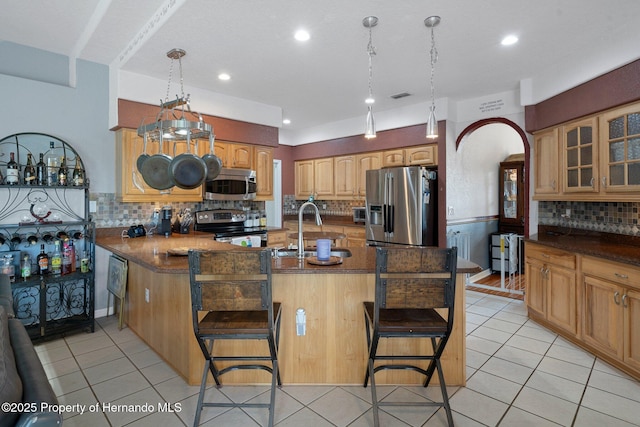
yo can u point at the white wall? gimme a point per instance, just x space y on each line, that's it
77 115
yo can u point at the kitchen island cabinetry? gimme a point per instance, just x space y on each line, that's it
333 350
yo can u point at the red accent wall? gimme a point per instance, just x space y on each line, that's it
131 114
618 87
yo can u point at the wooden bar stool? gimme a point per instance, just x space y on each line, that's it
231 299
410 284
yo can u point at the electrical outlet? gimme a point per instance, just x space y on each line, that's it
324 206
93 206
146 294
450 211
568 213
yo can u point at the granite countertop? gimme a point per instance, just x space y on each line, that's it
624 249
151 252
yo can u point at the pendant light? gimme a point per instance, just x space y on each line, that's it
370 126
432 124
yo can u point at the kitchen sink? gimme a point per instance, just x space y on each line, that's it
293 253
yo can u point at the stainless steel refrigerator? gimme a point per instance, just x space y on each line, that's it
401 206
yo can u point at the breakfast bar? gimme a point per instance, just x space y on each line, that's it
333 349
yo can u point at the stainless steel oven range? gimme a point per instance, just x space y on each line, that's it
228 225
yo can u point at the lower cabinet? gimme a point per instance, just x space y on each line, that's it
612 309
551 290
277 239
590 301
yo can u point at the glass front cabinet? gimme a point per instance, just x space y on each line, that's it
42 210
511 200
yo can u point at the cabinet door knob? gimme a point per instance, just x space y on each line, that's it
616 298
624 301
591 182
604 181
553 184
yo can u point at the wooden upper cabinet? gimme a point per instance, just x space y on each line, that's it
222 151
393 158
304 185
263 165
130 186
323 177
620 150
345 172
240 156
424 155
365 162
546 150
580 156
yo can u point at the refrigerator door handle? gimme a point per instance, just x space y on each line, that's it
385 200
391 198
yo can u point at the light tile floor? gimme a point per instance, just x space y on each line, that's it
519 374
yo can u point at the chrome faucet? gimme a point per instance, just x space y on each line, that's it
300 234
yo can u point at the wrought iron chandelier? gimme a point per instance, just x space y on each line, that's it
172 122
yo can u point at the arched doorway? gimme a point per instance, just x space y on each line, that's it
500 120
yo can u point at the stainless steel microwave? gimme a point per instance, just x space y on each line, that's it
231 184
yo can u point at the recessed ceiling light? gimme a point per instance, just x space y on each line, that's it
509 40
302 35
224 76
286 121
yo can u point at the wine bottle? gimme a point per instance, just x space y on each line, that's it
78 175
53 164
29 176
43 261
62 172
56 259
41 171
12 170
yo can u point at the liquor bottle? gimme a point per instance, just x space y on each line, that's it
41 171
62 172
66 259
12 170
43 261
56 259
53 164
72 255
29 176
78 175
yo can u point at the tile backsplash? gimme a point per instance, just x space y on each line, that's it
112 213
608 217
327 207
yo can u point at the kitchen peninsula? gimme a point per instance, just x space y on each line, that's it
333 351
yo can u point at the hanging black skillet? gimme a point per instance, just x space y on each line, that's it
213 162
187 169
155 170
144 156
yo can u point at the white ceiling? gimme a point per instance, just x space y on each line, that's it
562 43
